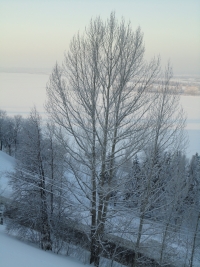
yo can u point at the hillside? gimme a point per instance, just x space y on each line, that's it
14 253
7 163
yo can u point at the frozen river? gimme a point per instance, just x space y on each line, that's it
19 92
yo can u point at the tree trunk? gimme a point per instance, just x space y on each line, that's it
9 150
46 243
163 243
194 241
138 240
93 245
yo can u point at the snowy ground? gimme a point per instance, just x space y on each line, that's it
15 253
7 163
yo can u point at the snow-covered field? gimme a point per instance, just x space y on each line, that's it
15 253
21 91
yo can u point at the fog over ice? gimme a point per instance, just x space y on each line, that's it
21 91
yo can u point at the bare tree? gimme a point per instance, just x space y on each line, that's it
10 128
59 206
166 131
17 130
29 182
193 205
99 99
3 117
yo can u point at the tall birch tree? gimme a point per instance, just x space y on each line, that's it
99 99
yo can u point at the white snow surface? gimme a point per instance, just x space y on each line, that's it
7 164
15 253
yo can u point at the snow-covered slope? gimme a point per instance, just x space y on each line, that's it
15 253
7 163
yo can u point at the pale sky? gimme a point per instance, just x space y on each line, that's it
36 33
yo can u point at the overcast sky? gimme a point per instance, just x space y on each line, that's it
36 33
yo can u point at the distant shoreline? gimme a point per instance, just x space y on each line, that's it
189 84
